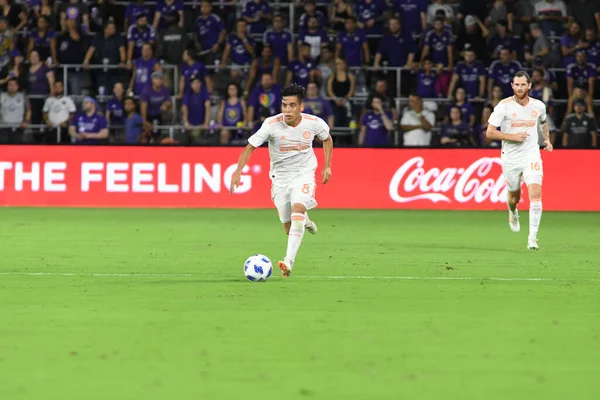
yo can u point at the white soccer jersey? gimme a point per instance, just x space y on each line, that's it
290 148
512 118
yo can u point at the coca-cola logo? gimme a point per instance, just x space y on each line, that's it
481 181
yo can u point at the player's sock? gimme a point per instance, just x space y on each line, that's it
295 236
511 207
535 216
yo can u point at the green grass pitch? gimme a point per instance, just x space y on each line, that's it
381 305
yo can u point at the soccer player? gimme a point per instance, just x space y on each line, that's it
290 136
515 121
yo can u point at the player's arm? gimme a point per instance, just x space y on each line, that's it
242 161
328 150
493 133
546 130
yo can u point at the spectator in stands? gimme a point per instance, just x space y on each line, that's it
6 42
540 47
76 10
241 49
396 47
381 89
570 43
107 49
43 40
133 11
438 44
582 75
466 109
325 68
280 41
232 113
593 49
586 13
316 105
155 101
166 9
172 43
457 133
310 10
14 14
101 11
58 112
133 121
413 14
143 68
303 70
481 128
426 79
191 67
315 37
266 96
14 110
72 47
474 35
12 70
500 10
549 76
496 96
371 16
257 13
265 63
470 74
339 11
210 33
115 110
45 8
502 71
375 124
541 90
40 79
476 8
195 108
89 126
523 15
503 39
437 5
551 15
137 35
416 123
579 130
341 85
352 45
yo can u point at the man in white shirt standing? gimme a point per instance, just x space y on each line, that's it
58 112
516 121
293 164
416 123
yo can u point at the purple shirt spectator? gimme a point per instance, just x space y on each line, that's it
88 124
581 75
568 42
315 40
469 76
42 43
133 10
502 75
261 98
139 37
197 68
239 54
461 132
251 10
195 103
278 42
143 71
396 48
155 99
303 23
301 71
232 113
377 134
410 14
208 30
38 81
426 85
438 46
352 47
466 109
133 128
593 53
116 112
372 10
497 43
165 9
319 107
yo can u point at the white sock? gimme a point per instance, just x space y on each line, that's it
535 216
512 208
295 236
306 219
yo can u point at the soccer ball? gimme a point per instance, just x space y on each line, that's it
258 268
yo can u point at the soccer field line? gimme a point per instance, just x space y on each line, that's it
316 277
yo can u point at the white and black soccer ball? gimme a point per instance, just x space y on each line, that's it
258 268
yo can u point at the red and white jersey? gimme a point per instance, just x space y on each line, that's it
290 148
512 118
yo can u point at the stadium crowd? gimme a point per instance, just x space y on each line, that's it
380 72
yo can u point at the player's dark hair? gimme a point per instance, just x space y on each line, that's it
294 90
521 74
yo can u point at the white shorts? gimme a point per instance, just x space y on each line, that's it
301 190
532 171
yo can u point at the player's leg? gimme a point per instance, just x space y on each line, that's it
512 176
533 176
311 227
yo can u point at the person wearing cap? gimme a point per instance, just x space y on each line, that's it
473 34
143 68
89 126
579 129
541 46
14 110
155 101
167 9
195 108
137 35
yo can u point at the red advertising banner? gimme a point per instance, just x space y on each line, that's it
361 178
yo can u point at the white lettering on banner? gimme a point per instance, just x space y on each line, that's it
185 178
212 180
142 178
33 176
163 186
115 173
88 175
435 183
4 166
54 177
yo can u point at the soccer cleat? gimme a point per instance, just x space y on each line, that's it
285 267
532 244
311 227
513 221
